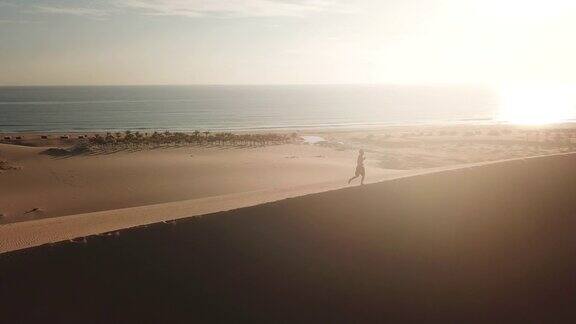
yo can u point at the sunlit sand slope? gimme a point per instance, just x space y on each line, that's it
494 242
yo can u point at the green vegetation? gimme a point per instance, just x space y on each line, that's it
134 140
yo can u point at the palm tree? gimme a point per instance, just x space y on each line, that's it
156 139
129 137
109 140
139 139
167 137
97 140
196 135
229 137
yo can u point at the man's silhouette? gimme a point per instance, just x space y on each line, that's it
360 171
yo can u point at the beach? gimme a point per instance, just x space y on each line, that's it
44 180
52 192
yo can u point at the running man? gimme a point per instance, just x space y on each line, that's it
360 171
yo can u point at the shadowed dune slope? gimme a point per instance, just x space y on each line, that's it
494 242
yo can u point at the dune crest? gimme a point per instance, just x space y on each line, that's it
492 243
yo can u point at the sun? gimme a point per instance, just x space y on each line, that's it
537 104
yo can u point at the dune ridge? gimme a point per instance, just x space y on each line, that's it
492 243
23 235
71 185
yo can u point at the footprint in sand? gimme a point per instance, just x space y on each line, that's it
5 166
33 210
79 240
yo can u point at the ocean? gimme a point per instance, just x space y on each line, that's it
235 108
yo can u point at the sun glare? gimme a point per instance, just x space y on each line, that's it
536 105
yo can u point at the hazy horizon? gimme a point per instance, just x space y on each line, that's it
260 42
381 84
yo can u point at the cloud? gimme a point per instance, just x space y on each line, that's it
197 8
14 22
75 11
234 8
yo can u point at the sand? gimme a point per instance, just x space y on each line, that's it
68 185
53 197
36 181
420 147
26 234
491 243
47 196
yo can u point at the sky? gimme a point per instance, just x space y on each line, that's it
114 42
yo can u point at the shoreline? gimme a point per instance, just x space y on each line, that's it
304 128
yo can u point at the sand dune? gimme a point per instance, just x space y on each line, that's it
22 235
489 243
61 185
107 192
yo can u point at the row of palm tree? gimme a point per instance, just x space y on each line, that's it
547 136
129 139
550 133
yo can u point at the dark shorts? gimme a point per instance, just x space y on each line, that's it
360 170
